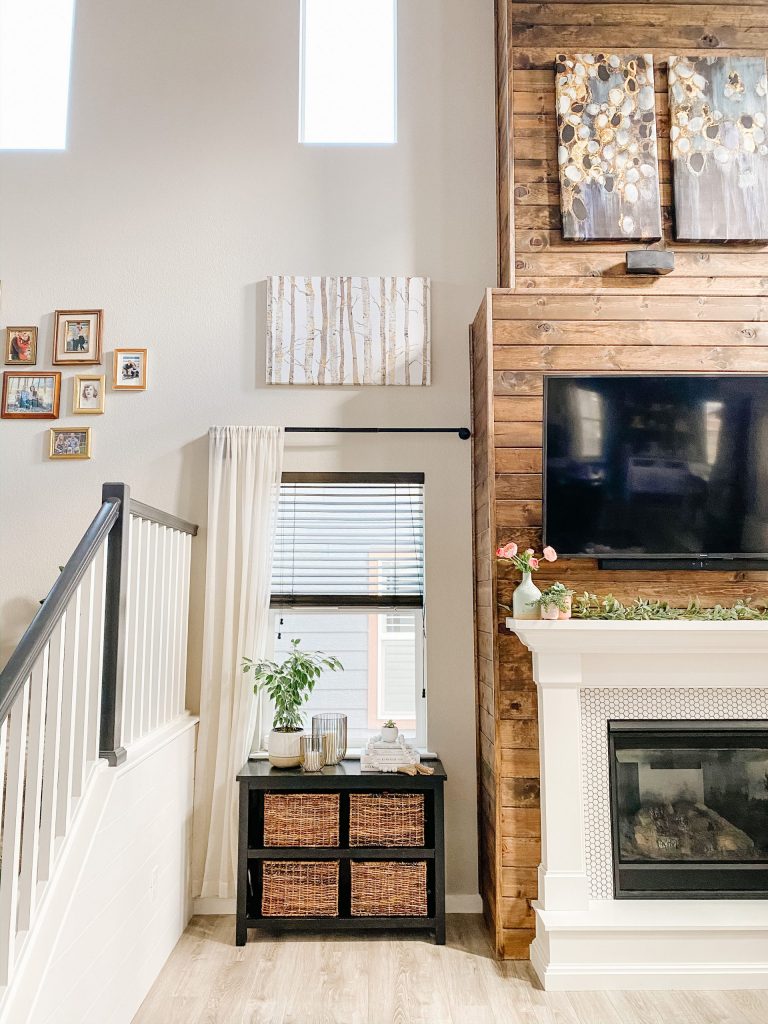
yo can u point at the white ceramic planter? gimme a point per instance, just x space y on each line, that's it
526 593
284 749
389 735
551 611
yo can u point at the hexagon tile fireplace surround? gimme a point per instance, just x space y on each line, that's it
678 805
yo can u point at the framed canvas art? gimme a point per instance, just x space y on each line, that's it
607 157
718 109
30 396
349 331
77 337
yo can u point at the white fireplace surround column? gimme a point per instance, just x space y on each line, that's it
587 943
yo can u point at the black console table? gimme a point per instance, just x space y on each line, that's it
258 778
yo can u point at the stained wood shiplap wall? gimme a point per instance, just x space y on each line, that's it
573 308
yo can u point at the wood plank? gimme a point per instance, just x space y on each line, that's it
634 332
518 460
517 410
513 306
519 793
512 383
536 50
519 513
520 763
519 485
516 943
520 703
520 852
552 240
671 359
516 913
639 284
622 16
608 265
517 435
521 822
517 733
519 882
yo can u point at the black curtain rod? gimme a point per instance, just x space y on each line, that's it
464 432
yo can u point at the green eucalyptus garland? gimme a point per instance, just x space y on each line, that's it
589 606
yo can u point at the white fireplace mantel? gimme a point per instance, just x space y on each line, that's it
586 943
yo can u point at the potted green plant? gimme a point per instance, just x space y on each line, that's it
389 731
288 686
555 602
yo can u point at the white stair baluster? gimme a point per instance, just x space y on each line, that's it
30 839
14 793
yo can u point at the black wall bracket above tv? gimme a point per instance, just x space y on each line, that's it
687 564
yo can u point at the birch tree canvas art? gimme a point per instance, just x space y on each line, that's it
718 133
348 330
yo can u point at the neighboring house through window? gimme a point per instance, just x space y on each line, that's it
348 579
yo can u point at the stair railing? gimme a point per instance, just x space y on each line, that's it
102 664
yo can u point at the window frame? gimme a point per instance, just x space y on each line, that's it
303 141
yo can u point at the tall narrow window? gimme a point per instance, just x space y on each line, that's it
348 579
348 71
35 51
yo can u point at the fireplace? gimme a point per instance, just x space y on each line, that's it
689 809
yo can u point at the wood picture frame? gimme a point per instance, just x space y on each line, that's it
77 337
38 400
69 443
88 394
20 342
129 369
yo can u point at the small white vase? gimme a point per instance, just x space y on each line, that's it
389 734
284 749
549 611
524 598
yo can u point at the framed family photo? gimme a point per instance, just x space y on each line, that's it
77 337
30 396
70 443
20 346
130 369
88 394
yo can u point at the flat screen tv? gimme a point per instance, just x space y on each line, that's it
652 467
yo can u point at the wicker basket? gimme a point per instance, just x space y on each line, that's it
386 819
301 819
300 888
384 888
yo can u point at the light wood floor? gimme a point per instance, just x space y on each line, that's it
397 980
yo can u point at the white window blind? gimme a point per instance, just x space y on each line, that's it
349 541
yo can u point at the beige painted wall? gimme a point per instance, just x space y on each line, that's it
183 186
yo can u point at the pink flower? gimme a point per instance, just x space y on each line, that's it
529 551
507 551
534 563
549 554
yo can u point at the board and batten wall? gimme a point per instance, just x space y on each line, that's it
571 307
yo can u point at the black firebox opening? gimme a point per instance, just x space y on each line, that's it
689 809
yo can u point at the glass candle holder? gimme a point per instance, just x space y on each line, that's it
332 728
312 753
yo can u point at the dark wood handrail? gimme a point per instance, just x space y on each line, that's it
156 515
39 631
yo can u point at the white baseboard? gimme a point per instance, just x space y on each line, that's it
455 903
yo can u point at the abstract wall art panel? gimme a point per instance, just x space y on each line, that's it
348 330
606 126
718 122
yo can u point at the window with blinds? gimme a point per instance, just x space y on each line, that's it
349 540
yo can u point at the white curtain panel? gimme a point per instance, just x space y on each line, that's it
244 468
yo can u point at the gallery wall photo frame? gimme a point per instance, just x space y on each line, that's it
77 337
30 396
88 391
129 369
20 346
69 443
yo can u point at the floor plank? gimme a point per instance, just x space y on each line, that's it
395 979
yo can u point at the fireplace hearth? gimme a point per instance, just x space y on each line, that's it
689 809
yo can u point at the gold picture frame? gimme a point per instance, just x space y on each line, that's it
88 394
20 341
77 337
69 443
129 369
